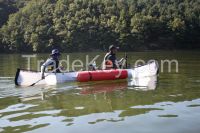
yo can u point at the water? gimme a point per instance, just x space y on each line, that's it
170 105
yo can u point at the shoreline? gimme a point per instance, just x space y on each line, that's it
136 51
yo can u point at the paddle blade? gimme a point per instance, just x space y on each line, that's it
33 84
36 82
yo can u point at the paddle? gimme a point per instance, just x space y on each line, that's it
126 58
44 77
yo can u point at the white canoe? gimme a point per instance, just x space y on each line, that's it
26 78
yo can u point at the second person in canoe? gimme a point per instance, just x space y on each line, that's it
110 60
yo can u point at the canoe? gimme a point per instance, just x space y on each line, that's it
26 77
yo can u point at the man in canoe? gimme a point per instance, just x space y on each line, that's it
51 64
110 60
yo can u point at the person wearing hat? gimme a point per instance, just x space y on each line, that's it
51 64
110 60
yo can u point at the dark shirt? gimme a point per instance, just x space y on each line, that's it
111 57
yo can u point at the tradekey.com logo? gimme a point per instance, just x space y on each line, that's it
68 64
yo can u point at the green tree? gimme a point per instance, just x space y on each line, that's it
79 25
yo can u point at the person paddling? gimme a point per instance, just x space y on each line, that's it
110 60
51 64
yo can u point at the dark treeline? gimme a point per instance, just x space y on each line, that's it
8 7
85 25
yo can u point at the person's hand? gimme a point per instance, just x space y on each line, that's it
122 59
120 62
61 68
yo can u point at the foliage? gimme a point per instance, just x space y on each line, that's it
83 25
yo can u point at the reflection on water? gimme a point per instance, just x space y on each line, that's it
169 103
76 106
144 83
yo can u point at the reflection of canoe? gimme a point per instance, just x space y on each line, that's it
105 87
143 83
24 77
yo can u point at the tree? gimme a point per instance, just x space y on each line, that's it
79 25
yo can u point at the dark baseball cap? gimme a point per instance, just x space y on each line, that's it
113 47
55 52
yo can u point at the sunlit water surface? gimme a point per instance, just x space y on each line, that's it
169 104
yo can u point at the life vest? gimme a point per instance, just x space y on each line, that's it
109 64
51 65
109 61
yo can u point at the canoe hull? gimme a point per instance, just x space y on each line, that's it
26 78
100 75
149 69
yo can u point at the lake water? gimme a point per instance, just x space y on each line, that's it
169 105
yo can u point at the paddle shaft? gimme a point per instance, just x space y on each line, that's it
126 58
44 77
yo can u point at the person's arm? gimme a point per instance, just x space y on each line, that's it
43 67
121 62
104 62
